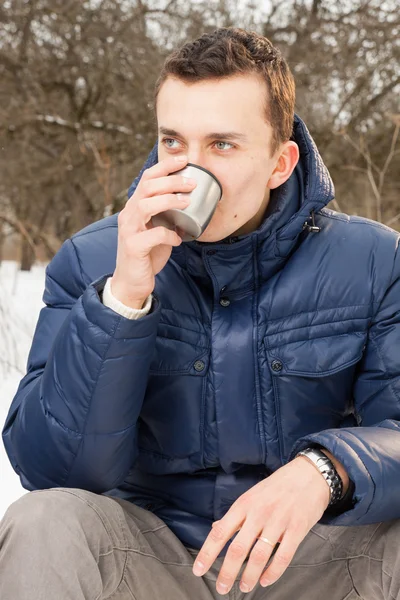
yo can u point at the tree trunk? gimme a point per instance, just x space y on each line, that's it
27 256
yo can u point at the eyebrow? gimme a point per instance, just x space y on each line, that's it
215 136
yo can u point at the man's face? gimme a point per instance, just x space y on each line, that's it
243 165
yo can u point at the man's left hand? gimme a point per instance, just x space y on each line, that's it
283 508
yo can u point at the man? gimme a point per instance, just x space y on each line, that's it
171 386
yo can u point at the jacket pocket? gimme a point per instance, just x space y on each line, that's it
323 356
313 384
172 416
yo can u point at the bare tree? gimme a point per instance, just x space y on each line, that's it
76 116
77 82
374 173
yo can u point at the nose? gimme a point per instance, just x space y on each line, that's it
196 161
197 157
206 165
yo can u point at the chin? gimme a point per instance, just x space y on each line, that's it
213 234
211 237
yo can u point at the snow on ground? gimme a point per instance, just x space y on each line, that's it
20 304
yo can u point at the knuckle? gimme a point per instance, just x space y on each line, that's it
297 531
242 503
144 208
158 231
178 182
217 533
146 187
204 557
273 574
282 558
121 217
298 528
166 234
237 550
260 555
226 577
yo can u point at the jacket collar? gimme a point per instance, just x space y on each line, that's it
266 249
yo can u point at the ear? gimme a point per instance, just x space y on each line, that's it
288 158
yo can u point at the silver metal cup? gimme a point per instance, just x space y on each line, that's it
190 222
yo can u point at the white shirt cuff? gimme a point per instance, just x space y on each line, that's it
126 311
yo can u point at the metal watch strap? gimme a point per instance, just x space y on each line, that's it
327 470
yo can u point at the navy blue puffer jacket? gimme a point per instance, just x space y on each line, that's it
255 347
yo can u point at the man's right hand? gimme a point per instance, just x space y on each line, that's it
143 250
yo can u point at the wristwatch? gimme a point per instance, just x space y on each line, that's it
327 470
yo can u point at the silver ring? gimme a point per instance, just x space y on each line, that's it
266 540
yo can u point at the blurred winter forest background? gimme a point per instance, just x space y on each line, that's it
76 116
77 121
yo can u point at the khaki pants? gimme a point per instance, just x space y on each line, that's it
71 544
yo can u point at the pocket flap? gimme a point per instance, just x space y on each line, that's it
184 353
322 356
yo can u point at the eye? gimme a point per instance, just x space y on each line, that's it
169 143
166 140
226 143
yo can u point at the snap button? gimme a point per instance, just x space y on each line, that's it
211 252
276 365
199 365
149 506
224 302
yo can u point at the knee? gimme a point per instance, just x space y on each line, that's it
43 509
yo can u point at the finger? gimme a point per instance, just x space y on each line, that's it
145 241
164 167
219 535
166 185
135 218
237 552
153 206
282 559
259 557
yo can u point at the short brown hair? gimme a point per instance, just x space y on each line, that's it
229 51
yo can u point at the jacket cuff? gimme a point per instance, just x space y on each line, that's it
111 322
346 503
112 302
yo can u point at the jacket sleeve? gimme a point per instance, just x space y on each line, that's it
73 420
371 452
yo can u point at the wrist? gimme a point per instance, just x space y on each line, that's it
126 299
325 492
